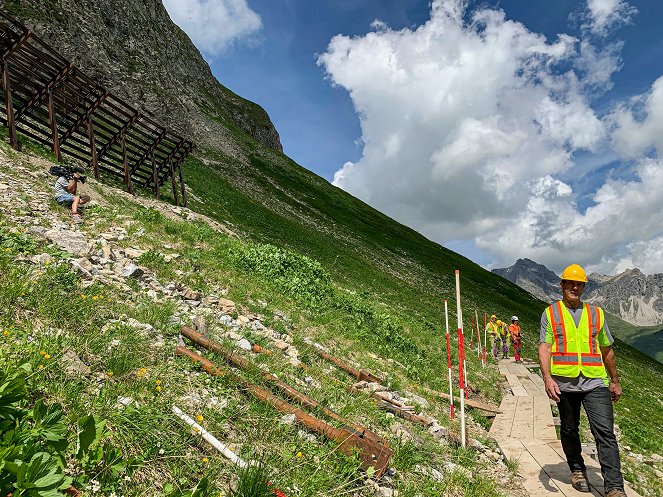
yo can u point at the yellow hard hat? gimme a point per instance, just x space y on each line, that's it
499 322
574 273
493 316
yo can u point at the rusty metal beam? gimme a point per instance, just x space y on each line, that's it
41 94
125 164
155 179
93 148
179 168
54 127
84 117
373 456
120 133
9 106
27 34
148 151
173 182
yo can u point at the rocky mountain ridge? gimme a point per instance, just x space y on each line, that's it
136 51
633 296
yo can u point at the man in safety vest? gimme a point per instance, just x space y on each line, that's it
578 367
491 329
516 336
501 339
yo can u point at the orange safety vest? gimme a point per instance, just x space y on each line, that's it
515 332
576 350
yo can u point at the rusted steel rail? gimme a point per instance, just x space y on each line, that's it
286 389
372 454
357 373
384 402
52 102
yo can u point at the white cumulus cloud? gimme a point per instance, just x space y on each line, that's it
605 14
470 120
214 25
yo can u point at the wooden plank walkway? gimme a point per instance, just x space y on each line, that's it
525 431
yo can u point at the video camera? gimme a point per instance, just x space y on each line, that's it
68 172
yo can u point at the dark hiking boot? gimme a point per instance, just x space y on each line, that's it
616 492
579 481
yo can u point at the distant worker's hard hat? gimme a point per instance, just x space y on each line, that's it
574 273
514 318
493 316
499 322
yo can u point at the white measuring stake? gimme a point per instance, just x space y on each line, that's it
229 454
451 392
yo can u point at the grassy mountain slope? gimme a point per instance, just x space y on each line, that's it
647 339
344 274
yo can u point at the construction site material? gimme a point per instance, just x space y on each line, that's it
372 455
53 102
468 402
461 358
384 402
286 389
207 436
446 325
359 374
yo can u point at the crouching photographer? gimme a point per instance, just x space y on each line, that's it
65 189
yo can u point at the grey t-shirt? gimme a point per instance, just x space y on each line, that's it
581 383
60 184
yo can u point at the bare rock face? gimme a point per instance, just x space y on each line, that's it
633 296
135 51
535 278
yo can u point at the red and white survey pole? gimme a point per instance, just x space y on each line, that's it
451 393
461 358
485 337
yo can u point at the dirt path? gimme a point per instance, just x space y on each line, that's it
525 432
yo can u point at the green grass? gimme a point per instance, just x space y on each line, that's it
345 275
647 339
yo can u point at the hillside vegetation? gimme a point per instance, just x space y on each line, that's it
96 338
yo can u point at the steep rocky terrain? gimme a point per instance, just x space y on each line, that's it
138 53
537 279
635 297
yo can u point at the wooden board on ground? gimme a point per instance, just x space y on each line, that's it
555 467
523 421
535 481
501 426
516 387
544 425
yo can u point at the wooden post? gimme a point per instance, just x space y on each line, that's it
127 178
179 167
155 177
93 148
174 183
9 105
54 127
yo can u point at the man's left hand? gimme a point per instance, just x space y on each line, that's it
615 391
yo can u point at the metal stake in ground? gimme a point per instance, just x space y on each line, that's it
451 393
461 358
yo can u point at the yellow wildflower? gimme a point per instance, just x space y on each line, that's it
205 460
158 388
47 356
299 455
41 366
199 418
158 382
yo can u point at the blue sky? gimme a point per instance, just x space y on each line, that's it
591 58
